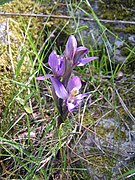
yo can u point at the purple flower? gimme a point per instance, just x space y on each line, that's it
75 54
57 65
71 96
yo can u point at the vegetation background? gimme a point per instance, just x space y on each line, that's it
97 140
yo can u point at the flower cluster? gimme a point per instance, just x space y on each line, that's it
66 89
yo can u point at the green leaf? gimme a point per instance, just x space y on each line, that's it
29 96
28 109
19 65
20 100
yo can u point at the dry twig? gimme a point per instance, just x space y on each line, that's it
65 17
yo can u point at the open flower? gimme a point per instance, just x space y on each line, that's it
71 95
57 65
75 54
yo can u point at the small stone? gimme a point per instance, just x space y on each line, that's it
119 75
132 38
119 44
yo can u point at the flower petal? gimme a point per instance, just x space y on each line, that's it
80 52
60 90
48 76
41 78
53 61
80 97
77 100
70 106
75 82
71 47
61 67
84 61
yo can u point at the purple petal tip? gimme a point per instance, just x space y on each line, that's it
40 78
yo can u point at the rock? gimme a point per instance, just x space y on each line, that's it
119 43
118 58
132 39
3 33
115 138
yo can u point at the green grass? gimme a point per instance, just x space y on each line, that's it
4 1
31 145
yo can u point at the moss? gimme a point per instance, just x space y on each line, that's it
87 119
11 46
114 11
127 29
127 3
101 164
4 1
19 47
119 135
125 51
